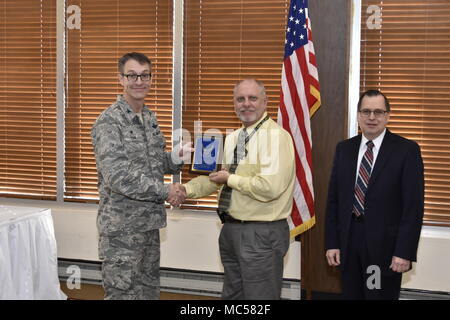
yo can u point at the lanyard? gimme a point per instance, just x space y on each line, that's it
256 128
247 138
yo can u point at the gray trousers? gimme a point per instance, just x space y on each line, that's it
252 256
130 268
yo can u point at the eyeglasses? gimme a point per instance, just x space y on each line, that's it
377 113
133 77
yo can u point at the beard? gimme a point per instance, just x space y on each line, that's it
247 117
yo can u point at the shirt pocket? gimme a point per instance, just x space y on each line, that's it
157 145
134 143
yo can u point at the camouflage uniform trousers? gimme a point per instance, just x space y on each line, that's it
130 268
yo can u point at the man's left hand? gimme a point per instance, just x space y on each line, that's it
185 152
220 177
400 265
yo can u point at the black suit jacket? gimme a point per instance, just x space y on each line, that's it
394 201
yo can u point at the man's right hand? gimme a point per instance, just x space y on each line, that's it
177 194
333 257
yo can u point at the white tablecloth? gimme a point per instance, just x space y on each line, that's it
28 257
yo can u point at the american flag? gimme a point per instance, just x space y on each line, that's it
299 99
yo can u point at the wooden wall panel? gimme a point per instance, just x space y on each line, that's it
331 34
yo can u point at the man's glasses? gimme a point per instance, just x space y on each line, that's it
133 77
378 113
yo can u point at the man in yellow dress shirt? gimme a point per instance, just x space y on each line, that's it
255 236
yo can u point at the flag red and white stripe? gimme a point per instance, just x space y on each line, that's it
299 99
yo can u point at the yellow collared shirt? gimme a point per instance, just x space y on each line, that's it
263 183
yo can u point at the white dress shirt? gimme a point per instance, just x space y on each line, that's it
363 147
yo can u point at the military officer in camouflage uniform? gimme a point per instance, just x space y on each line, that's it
131 163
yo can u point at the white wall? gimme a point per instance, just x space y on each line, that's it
190 242
432 270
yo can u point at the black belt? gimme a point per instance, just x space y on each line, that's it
226 218
230 219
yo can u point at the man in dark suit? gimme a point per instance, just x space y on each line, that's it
375 205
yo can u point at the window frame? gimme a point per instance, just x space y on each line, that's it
431 218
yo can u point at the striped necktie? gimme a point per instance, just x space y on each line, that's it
239 153
365 169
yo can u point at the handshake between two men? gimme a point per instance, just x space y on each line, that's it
177 192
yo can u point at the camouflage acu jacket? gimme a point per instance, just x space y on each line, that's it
131 163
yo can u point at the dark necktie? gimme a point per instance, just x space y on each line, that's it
239 153
365 169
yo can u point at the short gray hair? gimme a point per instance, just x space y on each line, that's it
258 82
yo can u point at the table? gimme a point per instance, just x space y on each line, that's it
28 257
